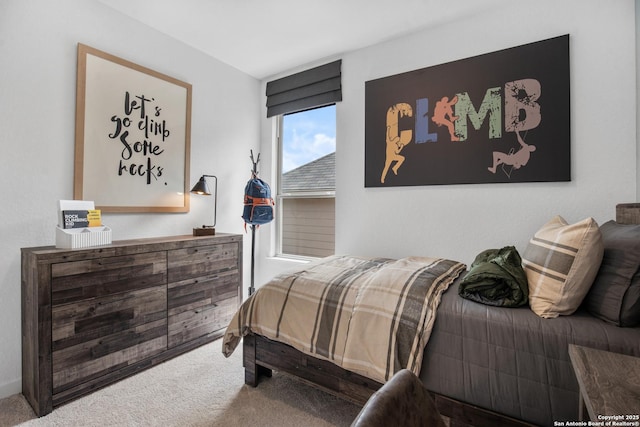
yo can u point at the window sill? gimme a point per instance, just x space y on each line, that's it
292 258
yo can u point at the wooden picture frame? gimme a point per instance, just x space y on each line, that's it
132 136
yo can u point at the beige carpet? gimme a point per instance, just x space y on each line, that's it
200 388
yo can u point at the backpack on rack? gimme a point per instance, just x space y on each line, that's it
258 204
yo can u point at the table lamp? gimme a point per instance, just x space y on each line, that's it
202 188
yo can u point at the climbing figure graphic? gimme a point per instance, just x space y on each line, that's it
396 141
443 115
515 160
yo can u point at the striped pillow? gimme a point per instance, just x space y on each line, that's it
561 262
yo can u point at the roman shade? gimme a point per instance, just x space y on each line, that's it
308 89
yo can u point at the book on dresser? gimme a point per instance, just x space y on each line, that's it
81 218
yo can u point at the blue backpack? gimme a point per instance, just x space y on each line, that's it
258 204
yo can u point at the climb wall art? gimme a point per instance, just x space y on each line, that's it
500 117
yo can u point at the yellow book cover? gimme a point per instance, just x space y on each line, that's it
94 217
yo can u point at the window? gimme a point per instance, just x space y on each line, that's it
306 187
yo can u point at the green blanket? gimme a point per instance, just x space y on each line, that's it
496 277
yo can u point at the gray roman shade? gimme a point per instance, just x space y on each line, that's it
308 89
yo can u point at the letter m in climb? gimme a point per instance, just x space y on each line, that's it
491 106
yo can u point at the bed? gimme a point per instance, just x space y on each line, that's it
484 365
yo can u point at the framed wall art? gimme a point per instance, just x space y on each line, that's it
501 117
133 129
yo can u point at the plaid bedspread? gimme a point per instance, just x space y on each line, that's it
372 316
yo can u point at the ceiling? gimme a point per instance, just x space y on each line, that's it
265 37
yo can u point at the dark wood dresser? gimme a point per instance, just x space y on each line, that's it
93 316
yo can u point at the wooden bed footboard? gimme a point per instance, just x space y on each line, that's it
262 355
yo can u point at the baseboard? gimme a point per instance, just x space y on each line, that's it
10 388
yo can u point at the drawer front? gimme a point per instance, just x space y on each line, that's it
201 306
92 338
80 280
107 314
203 291
201 261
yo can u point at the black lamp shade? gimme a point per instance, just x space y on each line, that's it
201 187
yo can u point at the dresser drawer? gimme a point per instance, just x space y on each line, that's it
201 261
97 336
106 313
201 306
92 278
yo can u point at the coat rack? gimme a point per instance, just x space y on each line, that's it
258 209
254 174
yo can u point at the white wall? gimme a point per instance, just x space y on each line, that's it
38 40
459 221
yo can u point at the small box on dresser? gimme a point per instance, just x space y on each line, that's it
93 316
